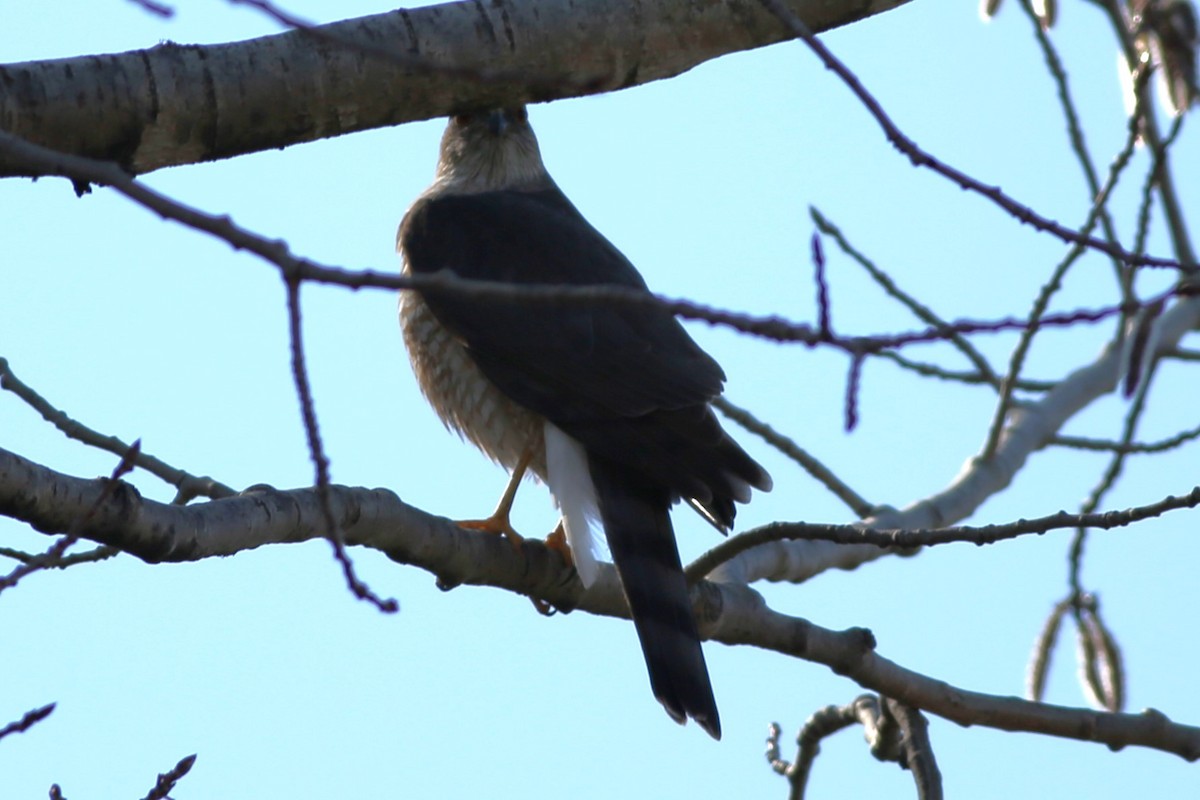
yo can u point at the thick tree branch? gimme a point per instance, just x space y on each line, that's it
180 104
1028 429
728 613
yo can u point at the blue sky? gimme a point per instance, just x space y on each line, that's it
285 686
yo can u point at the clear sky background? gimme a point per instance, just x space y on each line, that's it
285 686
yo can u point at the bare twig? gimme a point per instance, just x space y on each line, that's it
853 383
920 310
1178 353
859 505
69 560
983 534
187 485
823 723
824 322
1038 313
317 452
927 370
1075 134
1129 448
921 158
167 780
893 730
915 750
156 8
276 252
1107 481
27 720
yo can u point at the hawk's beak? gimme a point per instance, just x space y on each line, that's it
497 122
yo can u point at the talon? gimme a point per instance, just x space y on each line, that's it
557 541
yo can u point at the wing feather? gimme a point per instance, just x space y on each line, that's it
566 363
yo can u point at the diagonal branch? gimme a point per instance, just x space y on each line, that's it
729 613
922 158
187 485
1029 428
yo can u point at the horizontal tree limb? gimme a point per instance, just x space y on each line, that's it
730 613
181 104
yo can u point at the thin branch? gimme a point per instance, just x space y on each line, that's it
316 450
1180 354
920 158
853 384
1038 313
27 720
69 560
167 780
915 748
1109 478
909 538
1146 203
771 327
187 485
1075 134
857 504
823 723
894 731
155 8
824 317
919 310
1128 448
928 370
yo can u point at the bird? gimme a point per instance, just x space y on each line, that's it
608 405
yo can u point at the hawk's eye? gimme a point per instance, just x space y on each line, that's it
521 115
461 119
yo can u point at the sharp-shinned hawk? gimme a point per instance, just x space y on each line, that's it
608 404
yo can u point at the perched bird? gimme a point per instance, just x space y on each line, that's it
607 404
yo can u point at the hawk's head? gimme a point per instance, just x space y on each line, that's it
489 150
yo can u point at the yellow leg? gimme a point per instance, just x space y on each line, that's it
499 522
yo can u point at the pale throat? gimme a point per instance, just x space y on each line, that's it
508 163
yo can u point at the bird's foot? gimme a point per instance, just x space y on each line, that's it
556 541
498 524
